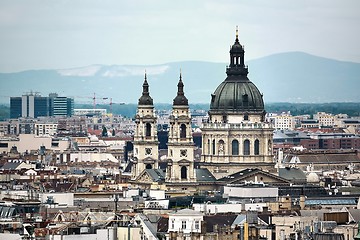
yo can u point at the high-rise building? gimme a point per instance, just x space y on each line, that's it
29 105
62 106
33 106
15 107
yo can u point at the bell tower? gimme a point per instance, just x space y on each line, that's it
180 144
145 138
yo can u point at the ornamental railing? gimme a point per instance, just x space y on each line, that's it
236 125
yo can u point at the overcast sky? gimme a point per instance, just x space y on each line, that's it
43 34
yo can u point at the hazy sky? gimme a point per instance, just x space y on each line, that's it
41 34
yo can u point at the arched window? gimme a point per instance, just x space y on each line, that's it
213 147
235 147
148 130
148 166
246 147
246 117
182 131
256 147
183 172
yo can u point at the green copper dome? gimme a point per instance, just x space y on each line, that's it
236 94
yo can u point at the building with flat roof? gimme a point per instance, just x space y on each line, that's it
33 105
29 105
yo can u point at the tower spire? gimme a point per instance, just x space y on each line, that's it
237 34
145 86
180 86
145 98
180 98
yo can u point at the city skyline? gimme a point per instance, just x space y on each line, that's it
66 34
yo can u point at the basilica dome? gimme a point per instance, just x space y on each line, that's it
236 94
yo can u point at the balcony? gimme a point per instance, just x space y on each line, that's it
227 126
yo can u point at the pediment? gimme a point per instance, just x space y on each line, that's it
144 177
254 175
184 162
149 160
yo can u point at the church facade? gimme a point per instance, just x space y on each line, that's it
235 138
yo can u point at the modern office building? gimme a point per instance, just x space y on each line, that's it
29 105
62 106
15 107
33 105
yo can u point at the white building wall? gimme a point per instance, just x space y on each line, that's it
92 157
255 206
325 119
250 192
76 237
284 122
10 236
176 224
59 198
45 128
24 111
218 208
157 194
31 106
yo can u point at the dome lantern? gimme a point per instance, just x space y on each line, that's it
237 94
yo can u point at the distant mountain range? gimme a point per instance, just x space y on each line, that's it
285 77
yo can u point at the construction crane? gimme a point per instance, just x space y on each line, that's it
95 98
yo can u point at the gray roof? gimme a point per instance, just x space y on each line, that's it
204 175
240 219
355 214
328 158
289 134
10 165
293 174
157 175
319 213
148 224
331 201
245 173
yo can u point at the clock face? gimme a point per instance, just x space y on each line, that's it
183 153
148 151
